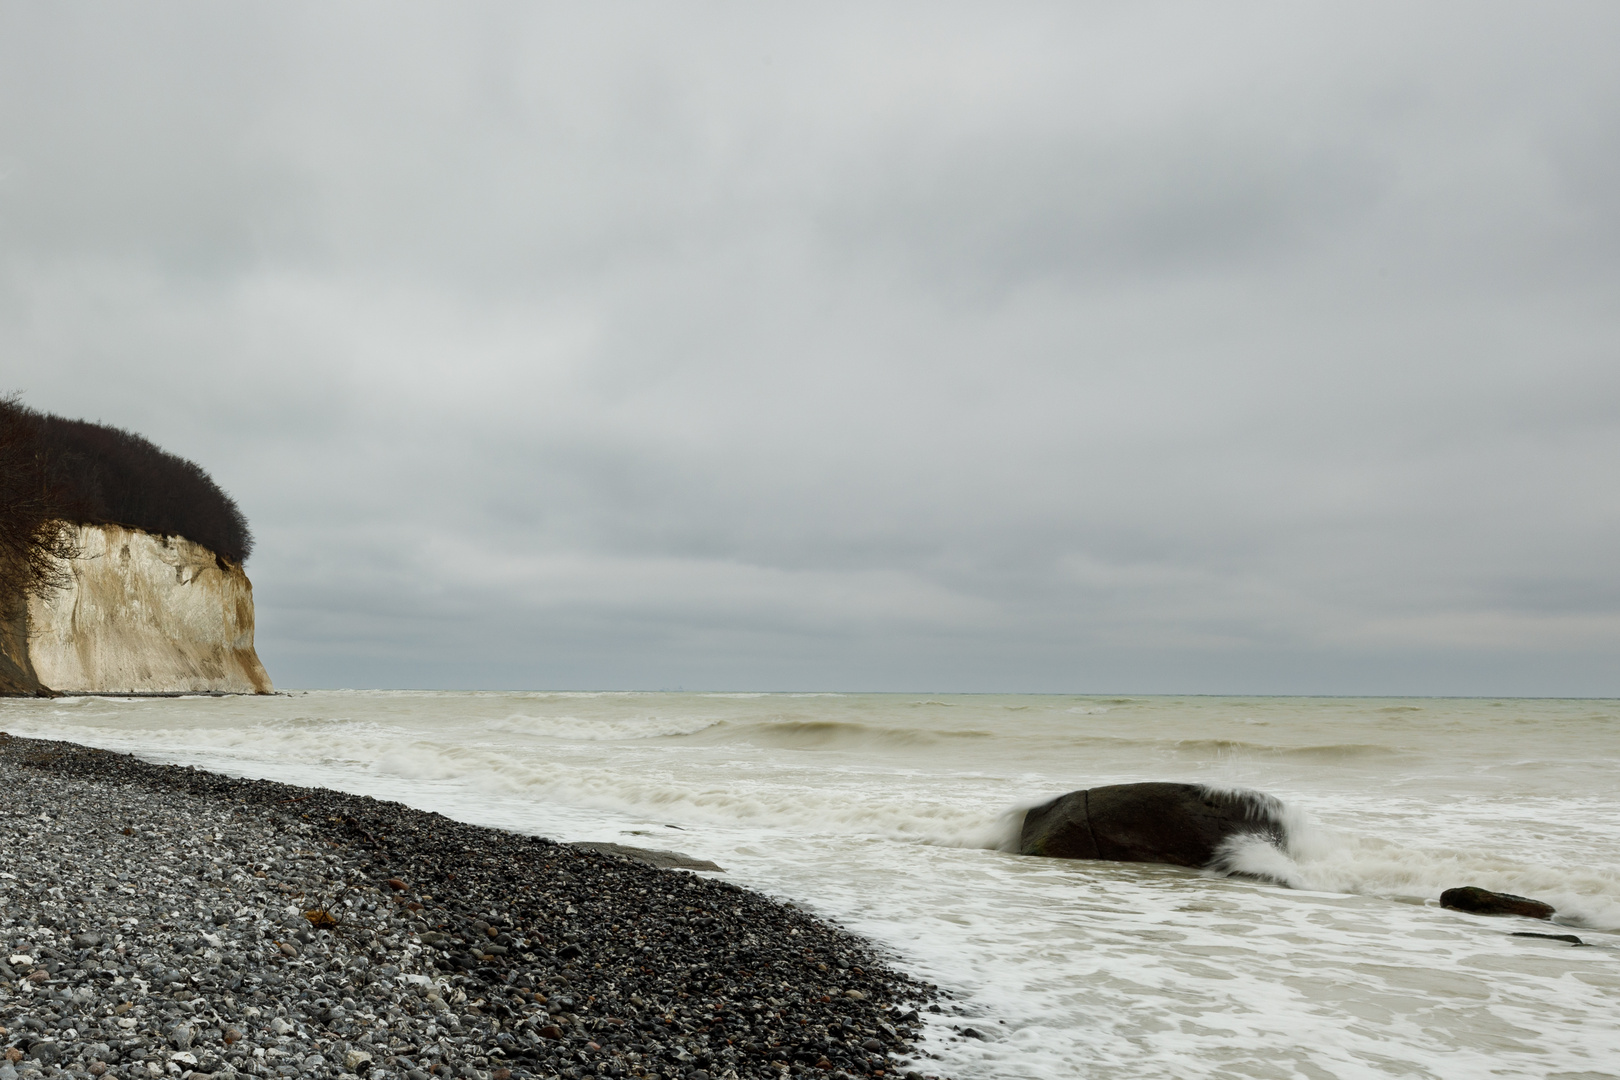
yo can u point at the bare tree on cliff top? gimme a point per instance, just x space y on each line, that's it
36 538
55 472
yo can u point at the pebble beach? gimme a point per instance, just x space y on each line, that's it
157 920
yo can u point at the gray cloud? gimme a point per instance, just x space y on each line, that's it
1135 347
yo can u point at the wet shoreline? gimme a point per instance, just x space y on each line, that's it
161 920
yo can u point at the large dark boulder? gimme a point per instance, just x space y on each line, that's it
1180 824
1477 901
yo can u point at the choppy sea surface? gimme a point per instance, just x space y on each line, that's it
892 814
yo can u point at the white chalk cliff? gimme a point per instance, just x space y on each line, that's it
146 614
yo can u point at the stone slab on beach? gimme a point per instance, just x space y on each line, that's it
158 920
1477 901
660 857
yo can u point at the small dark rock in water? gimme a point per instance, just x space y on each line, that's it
1477 901
1180 824
1571 938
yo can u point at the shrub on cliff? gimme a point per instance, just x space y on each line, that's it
54 470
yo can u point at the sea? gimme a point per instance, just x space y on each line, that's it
896 815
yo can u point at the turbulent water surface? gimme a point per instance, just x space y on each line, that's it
892 813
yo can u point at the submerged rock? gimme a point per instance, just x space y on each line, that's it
1477 901
1571 938
1179 824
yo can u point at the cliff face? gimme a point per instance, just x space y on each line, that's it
146 614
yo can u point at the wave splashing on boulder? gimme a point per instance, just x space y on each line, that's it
1229 830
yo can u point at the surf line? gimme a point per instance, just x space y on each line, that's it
1201 828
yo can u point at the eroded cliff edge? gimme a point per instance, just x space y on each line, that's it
143 614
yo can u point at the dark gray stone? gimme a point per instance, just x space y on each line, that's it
1477 901
1571 938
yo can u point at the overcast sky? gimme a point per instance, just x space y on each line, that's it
1113 347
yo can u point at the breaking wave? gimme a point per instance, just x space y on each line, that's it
1293 850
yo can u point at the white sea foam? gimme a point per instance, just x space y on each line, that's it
1324 955
586 729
